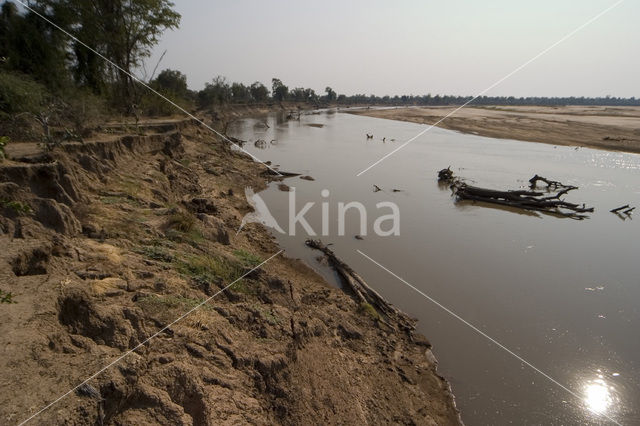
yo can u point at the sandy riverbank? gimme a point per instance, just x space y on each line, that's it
610 128
108 241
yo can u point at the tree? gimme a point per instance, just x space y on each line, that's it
215 93
331 94
259 92
124 31
171 82
240 93
31 46
278 90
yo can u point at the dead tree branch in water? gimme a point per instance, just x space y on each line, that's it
363 293
522 199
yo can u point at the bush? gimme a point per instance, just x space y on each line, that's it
83 111
6 297
20 93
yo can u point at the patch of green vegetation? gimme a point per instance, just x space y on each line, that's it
155 252
17 206
204 269
185 162
155 302
369 310
243 287
3 143
6 297
271 318
116 199
181 221
208 269
130 187
249 260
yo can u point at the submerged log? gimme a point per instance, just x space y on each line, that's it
363 293
522 199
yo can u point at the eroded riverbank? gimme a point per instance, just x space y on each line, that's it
119 237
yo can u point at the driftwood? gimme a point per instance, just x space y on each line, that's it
546 202
362 292
279 173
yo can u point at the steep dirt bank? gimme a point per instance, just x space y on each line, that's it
107 242
610 128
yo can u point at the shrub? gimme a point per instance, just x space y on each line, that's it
249 260
20 93
6 297
18 207
181 221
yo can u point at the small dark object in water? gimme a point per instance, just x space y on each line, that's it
445 175
384 139
397 190
359 237
369 136
616 210
376 188
306 178
284 187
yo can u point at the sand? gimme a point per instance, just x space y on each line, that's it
610 128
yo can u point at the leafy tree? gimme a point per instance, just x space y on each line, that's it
279 91
259 92
31 46
215 93
171 82
124 31
240 93
331 94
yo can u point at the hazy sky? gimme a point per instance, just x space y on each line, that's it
410 47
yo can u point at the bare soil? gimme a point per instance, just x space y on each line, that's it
108 241
610 128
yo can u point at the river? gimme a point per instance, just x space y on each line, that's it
561 294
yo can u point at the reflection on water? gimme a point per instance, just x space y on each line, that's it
561 293
598 397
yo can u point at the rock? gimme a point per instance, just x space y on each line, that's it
201 205
166 358
306 178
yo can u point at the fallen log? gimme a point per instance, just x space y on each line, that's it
362 292
523 199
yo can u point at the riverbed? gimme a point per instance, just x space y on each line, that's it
561 294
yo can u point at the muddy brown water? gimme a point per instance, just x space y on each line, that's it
562 294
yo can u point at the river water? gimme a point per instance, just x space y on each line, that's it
561 294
